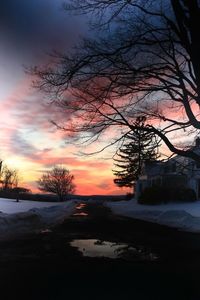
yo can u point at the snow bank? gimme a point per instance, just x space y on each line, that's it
184 216
31 216
10 206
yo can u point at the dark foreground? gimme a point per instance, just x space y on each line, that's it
163 263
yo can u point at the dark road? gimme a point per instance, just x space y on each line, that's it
119 258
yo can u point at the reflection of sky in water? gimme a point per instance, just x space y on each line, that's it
97 248
80 214
80 206
93 248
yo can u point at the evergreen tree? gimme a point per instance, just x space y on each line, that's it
141 146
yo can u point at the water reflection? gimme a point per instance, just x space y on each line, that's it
98 248
45 231
81 214
80 206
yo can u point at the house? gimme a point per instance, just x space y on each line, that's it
176 172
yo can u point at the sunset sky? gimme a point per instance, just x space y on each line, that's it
29 142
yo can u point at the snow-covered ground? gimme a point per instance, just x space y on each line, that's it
23 217
184 216
10 206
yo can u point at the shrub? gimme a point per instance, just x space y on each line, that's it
157 195
153 195
185 195
129 196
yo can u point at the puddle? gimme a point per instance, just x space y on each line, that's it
81 214
80 206
45 231
98 248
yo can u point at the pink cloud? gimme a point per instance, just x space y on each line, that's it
23 109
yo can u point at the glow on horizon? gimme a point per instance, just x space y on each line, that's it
26 151
88 180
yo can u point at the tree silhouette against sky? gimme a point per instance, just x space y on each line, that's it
58 181
147 64
139 147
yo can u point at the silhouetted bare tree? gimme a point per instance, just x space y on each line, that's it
58 181
148 63
9 178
